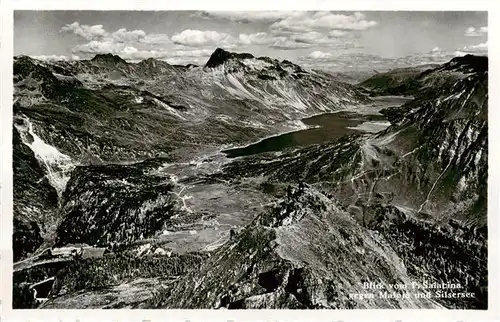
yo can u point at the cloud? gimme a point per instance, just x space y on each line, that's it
289 29
155 39
259 38
288 40
312 37
431 57
135 44
347 59
473 32
346 62
357 61
85 31
337 33
319 55
122 35
97 32
126 52
251 16
200 38
56 57
129 44
192 53
440 56
479 49
293 40
443 55
132 53
324 20
99 47
286 44
319 28
185 60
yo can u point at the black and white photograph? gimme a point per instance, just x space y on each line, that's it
305 159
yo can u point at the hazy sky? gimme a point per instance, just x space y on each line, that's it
327 39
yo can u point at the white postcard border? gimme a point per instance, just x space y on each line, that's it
6 313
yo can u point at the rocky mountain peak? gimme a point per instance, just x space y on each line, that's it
108 59
220 56
149 60
153 63
469 63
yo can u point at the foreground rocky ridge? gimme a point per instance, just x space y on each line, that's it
308 252
304 253
300 228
